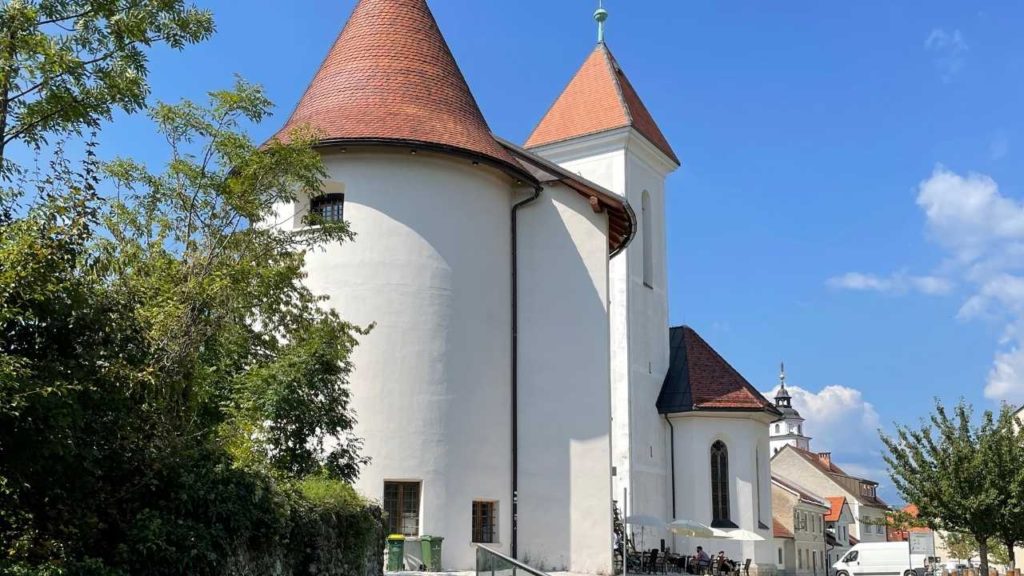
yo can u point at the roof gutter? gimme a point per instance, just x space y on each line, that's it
537 189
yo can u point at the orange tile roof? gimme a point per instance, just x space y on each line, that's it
837 503
779 530
598 98
390 78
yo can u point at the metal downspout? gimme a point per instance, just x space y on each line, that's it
672 456
515 371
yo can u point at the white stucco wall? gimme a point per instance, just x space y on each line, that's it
623 162
431 382
430 267
744 435
565 520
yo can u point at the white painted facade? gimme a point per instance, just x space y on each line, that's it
750 481
624 162
431 385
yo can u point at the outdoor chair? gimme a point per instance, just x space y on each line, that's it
746 567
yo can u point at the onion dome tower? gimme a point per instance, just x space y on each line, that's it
788 429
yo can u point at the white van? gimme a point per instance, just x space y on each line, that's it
878 559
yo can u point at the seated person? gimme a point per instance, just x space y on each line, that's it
723 563
701 559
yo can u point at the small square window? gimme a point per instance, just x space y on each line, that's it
485 522
328 207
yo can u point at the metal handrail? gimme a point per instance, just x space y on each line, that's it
482 568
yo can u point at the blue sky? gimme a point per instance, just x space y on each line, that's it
849 200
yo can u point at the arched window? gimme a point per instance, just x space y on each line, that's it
778 428
720 485
645 230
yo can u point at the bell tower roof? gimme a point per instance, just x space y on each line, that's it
390 79
599 98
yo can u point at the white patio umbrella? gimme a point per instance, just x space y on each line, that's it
644 521
690 528
744 535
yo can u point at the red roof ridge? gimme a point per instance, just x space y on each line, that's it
584 106
390 79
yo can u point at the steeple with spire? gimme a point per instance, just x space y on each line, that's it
789 428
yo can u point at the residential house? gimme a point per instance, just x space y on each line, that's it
799 529
837 529
817 472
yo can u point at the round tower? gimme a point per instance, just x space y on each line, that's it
415 171
789 428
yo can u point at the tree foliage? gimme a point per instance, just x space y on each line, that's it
964 477
173 399
65 65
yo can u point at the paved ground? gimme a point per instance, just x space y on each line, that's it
474 573
470 573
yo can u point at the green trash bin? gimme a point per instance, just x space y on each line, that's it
396 553
435 552
430 547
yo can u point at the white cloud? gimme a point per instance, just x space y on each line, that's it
1006 378
839 419
982 231
949 52
899 283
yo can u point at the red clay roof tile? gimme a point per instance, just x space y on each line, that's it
599 98
837 503
390 77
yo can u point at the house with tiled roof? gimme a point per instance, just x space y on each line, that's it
818 472
520 375
837 528
801 548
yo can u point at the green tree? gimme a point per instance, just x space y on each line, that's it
1005 461
960 546
943 468
66 65
173 399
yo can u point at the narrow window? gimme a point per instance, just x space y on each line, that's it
720 485
402 505
645 224
485 522
780 557
778 428
328 207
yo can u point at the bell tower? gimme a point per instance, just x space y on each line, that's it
600 129
789 429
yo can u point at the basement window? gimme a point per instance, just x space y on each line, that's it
485 522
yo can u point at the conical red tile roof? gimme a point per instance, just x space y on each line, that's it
599 98
391 78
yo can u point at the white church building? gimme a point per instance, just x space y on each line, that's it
521 374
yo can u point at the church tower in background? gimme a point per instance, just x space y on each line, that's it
789 429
